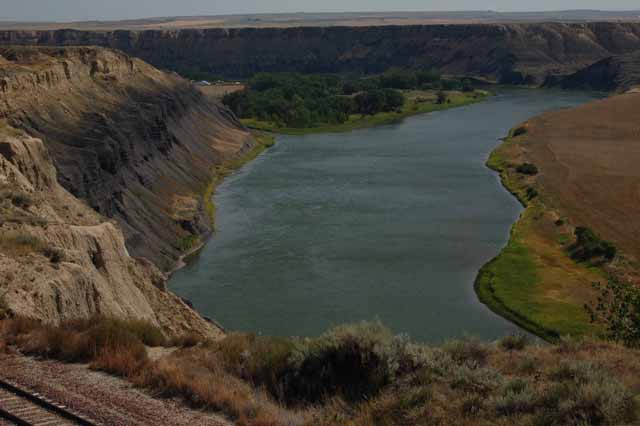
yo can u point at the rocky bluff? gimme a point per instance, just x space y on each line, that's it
103 164
510 53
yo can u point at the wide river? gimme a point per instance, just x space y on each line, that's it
389 223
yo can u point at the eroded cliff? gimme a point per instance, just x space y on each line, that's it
510 53
137 144
102 156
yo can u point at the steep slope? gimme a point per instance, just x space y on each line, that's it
61 260
511 53
616 73
102 155
138 145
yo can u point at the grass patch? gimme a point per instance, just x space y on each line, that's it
356 121
533 281
188 242
17 244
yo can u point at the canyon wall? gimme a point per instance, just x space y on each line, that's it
615 73
103 164
510 53
137 144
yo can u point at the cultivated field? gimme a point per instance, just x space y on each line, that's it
589 159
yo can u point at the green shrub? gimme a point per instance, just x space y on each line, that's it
54 254
515 342
18 198
467 350
522 130
618 308
517 396
472 404
527 169
22 200
187 243
84 340
473 378
589 245
585 394
527 365
353 361
531 193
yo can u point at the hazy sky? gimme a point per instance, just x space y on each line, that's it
70 10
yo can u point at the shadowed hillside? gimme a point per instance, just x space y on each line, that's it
509 53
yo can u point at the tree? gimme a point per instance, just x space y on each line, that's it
618 308
589 245
394 100
527 169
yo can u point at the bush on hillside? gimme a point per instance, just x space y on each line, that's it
584 394
514 342
589 245
519 131
618 308
527 169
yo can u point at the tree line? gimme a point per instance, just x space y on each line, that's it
299 100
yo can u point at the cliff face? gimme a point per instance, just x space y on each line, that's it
60 260
616 73
138 145
512 53
101 156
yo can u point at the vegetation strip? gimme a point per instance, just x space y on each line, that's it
301 104
542 279
263 141
356 375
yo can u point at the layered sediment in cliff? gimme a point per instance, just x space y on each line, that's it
103 163
137 144
510 53
616 73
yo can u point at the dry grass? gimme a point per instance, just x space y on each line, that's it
19 244
362 375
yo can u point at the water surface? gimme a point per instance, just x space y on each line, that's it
389 223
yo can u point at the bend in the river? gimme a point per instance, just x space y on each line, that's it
389 223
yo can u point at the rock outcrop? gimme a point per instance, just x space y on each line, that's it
103 164
616 73
510 53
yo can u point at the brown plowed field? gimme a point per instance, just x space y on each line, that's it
589 161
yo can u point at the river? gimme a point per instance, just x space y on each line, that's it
389 223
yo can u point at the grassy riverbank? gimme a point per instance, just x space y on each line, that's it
534 282
418 102
263 142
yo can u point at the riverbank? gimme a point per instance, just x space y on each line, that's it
533 281
418 102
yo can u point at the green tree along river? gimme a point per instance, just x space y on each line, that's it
389 223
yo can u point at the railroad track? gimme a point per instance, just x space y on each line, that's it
20 407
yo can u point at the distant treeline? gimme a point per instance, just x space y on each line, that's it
298 100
